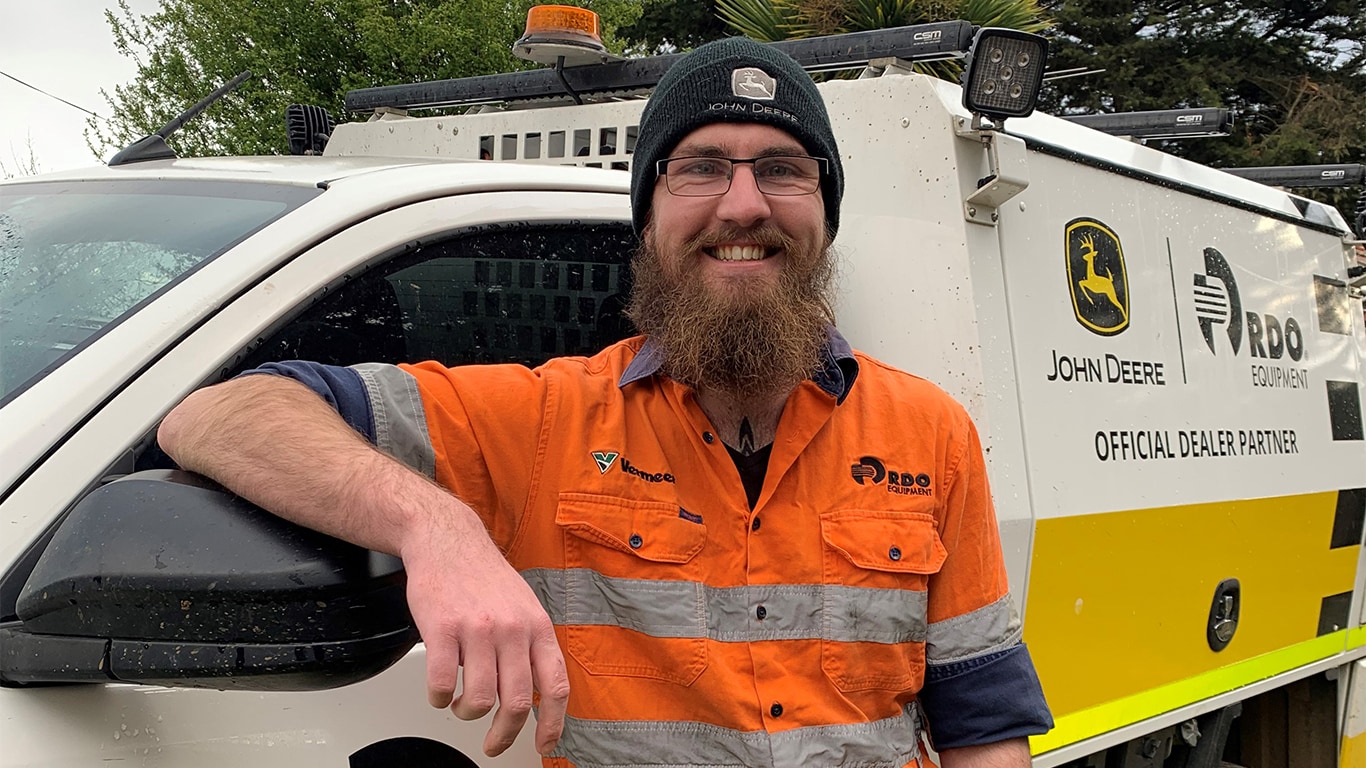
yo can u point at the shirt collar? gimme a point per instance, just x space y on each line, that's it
839 367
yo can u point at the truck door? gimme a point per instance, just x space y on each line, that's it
476 278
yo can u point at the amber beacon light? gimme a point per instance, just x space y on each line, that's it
563 36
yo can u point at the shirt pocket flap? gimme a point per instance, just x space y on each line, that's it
651 530
896 542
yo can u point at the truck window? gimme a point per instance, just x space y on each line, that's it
521 294
77 257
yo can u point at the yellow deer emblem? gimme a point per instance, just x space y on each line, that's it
1094 284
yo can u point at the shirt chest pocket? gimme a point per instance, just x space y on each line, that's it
634 604
876 568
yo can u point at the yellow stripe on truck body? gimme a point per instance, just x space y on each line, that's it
1118 603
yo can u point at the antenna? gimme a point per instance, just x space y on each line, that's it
154 147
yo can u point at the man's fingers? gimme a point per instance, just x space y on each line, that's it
552 681
478 687
514 701
443 670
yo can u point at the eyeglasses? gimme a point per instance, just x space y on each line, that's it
774 174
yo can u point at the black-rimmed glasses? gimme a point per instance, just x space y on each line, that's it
774 174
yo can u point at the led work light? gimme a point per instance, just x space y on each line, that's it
1003 73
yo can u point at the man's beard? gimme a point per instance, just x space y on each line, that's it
749 339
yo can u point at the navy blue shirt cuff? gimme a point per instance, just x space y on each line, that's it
342 388
984 699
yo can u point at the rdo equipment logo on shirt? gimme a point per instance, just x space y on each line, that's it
872 469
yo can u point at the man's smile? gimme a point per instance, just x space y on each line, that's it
739 252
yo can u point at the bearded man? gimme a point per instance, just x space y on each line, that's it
663 541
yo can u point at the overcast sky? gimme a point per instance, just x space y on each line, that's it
65 48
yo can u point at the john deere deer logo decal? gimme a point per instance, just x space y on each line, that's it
1096 277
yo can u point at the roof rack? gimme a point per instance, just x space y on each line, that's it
916 43
1161 123
1304 176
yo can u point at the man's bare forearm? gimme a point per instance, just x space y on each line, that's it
279 445
1012 753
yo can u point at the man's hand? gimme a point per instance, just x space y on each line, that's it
279 445
474 610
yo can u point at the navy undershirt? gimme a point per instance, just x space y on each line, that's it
752 469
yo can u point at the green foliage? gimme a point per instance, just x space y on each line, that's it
772 20
1024 16
669 25
1293 73
307 51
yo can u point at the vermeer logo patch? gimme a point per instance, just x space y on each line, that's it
1096 277
604 460
871 469
753 83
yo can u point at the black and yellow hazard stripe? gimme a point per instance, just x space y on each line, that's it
1349 523
1118 603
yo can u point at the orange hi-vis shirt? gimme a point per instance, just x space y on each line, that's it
697 631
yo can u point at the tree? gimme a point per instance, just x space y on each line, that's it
306 51
1293 73
674 25
24 165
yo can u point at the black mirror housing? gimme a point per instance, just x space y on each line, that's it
161 577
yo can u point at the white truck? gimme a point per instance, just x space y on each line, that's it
1165 362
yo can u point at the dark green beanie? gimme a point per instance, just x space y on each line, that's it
718 83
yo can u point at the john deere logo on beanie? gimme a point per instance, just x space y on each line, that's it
733 81
752 83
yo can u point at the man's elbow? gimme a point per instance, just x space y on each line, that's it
188 422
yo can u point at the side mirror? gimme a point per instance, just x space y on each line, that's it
163 578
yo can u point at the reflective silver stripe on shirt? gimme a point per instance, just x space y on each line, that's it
400 419
889 743
989 629
579 596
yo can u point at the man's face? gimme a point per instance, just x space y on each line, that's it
717 239
735 287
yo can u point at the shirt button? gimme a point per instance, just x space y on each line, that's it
708 438
894 553
754 526
636 541
761 612
776 710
